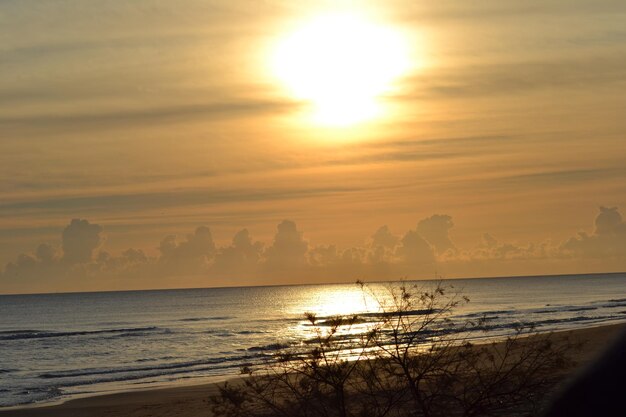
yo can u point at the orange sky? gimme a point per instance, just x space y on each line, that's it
148 119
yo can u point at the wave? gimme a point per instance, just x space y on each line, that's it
340 321
580 318
495 321
229 333
41 334
157 373
359 318
581 309
540 323
566 309
489 312
221 367
270 347
218 333
155 359
134 369
418 312
192 319
426 334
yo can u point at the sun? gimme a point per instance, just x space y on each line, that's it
342 65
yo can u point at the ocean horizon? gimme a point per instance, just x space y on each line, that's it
62 345
439 279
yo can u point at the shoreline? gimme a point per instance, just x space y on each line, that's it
191 400
171 385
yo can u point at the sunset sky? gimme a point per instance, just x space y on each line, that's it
152 144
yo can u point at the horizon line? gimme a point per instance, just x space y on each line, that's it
327 283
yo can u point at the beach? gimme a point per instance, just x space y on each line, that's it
192 401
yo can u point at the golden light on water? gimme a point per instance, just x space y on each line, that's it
337 301
343 65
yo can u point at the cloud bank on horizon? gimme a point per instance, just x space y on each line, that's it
427 251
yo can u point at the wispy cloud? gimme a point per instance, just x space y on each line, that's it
128 202
121 119
521 77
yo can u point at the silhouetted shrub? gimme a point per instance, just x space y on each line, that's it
412 360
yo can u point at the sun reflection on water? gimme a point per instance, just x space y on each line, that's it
335 302
339 301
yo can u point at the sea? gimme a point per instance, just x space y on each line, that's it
54 347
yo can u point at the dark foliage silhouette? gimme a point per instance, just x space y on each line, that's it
411 360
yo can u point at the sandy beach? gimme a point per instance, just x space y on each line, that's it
192 401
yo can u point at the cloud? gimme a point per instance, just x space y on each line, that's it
29 270
80 239
607 241
435 229
491 249
323 255
142 117
488 10
193 256
520 77
288 249
197 245
241 257
47 265
548 178
414 250
196 260
416 149
384 238
190 197
46 254
609 222
489 241
130 260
